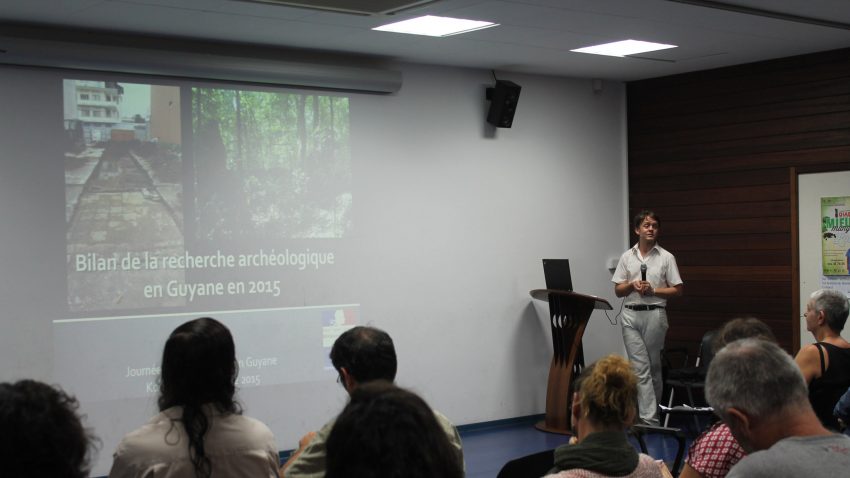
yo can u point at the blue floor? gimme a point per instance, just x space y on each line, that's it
487 447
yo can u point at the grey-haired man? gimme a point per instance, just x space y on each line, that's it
758 391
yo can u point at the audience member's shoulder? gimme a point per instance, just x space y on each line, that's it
648 467
326 429
830 442
444 420
146 436
763 463
450 430
718 433
838 444
816 455
810 349
252 428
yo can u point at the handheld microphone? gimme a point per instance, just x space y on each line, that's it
643 272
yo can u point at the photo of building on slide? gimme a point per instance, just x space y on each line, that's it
270 166
123 183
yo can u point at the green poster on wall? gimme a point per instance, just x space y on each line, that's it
835 232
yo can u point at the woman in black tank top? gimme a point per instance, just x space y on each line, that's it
826 364
824 391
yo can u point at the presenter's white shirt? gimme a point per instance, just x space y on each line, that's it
238 446
661 271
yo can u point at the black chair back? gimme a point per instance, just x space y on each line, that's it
529 466
706 352
640 432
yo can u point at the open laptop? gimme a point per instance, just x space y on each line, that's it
557 274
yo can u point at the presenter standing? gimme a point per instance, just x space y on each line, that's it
646 276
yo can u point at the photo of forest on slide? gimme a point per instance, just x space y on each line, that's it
270 165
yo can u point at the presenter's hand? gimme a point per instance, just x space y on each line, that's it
643 287
638 286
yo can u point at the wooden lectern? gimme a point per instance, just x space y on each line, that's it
568 316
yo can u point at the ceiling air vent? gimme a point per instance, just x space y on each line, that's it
355 7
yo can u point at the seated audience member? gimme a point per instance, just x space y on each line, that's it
826 363
842 412
758 391
389 432
715 451
42 435
200 431
604 406
359 355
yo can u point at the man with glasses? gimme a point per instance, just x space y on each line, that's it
359 355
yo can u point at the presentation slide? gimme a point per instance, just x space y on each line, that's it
181 200
222 202
204 200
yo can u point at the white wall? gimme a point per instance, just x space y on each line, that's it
452 219
462 216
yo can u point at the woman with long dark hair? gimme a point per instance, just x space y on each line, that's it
200 431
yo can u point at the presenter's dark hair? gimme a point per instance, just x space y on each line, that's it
643 214
199 369
42 434
389 432
366 353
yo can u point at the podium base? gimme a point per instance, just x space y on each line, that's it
541 425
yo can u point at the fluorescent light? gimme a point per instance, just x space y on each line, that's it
433 26
623 48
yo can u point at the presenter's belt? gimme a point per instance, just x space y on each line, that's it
644 307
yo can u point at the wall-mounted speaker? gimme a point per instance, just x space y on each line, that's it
503 100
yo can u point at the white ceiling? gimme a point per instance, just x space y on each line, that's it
534 36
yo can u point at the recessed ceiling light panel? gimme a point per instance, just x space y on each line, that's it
623 48
434 26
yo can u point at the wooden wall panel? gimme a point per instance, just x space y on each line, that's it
715 154
737 163
760 112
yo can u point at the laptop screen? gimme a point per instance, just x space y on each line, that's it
557 274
